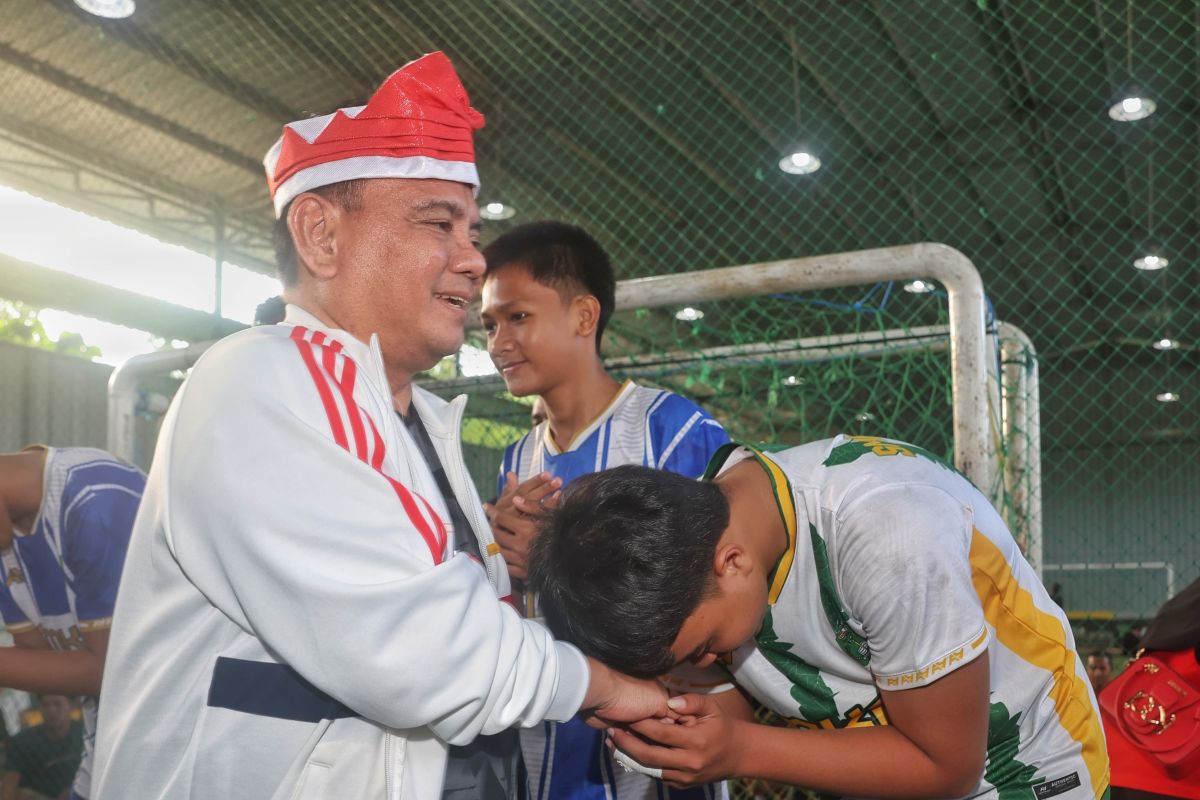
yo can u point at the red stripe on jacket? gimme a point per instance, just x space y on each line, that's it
435 540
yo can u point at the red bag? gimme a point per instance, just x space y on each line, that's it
1159 712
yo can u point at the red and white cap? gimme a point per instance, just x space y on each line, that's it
418 124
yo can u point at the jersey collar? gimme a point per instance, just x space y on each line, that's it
785 502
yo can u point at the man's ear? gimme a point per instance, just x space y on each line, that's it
313 221
587 314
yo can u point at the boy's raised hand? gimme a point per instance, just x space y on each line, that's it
514 517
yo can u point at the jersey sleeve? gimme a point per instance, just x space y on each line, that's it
901 564
685 436
95 537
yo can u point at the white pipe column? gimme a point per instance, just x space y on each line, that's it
123 392
968 352
1023 436
809 350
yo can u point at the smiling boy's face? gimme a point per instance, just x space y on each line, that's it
532 332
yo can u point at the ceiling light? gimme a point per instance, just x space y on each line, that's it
800 163
864 416
497 210
1132 107
1167 397
918 287
689 314
109 9
1151 262
792 380
1166 344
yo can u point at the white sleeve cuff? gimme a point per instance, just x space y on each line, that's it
573 679
938 668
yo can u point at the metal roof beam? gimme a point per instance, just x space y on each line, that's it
172 213
46 288
119 105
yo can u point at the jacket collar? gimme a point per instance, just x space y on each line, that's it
357 350
440 418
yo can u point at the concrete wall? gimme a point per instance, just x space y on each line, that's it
1132 504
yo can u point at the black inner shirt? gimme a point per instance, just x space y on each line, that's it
464 534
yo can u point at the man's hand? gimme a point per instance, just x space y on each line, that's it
516 514
614 697
703 746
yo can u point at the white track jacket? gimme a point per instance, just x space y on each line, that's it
291 623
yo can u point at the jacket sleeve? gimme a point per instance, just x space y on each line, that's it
308 548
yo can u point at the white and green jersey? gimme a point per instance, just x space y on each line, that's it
898 572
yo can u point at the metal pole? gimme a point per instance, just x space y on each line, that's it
811 349
1022 434
123 393
219 259
951 268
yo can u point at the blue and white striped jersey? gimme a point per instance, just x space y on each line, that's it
61 576
654 428
651 427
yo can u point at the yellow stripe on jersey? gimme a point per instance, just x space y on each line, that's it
1039 638
586 430
787 509
90 625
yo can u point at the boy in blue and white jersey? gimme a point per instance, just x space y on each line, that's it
65 519
547 295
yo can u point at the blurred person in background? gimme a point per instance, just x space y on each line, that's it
1099 669
43 759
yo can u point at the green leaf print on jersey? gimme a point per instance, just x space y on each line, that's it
813 697
846 453
1013 780
850 642
857 446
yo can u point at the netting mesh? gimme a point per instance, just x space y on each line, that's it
659 126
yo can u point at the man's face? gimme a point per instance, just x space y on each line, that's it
56 709
408 267
1099 670
722 622
530 331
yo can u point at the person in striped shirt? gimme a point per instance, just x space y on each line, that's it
858 587
547 296
65 519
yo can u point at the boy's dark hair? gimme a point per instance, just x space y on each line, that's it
348 194
562 256
624 560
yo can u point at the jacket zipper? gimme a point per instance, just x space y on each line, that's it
387 765
458 407
457 484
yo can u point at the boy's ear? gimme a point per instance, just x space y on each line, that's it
731 561
314 221
587 314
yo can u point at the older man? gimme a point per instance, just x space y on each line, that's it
312 600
